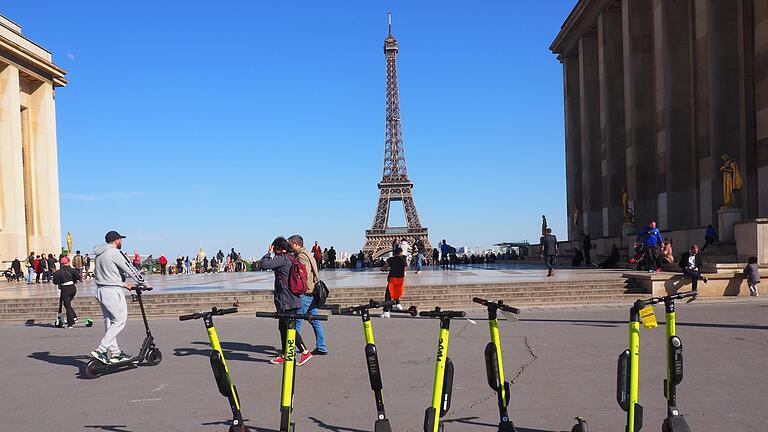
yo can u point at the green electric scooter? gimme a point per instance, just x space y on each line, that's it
628 370
219 365
289 366
494 366
443 384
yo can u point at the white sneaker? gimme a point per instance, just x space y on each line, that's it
398 307
385 315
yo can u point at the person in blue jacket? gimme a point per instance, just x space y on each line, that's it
650 239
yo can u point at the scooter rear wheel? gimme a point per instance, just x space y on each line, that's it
92 369
154 357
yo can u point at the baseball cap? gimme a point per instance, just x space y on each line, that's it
112 236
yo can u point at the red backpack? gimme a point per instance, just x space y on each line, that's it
297 276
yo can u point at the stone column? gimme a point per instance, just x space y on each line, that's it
761 104
639 108
573 169
12 226
723 89
589 92
612 119
673 54
42 136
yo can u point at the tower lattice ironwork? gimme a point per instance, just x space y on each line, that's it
394 185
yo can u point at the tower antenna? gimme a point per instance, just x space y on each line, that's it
389 16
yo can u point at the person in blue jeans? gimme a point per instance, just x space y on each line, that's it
421 249
308 303
30 267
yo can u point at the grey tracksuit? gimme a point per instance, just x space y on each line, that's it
110 272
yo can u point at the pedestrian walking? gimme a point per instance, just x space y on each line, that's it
67 278
78 263
548 250
752 272
163 261
435 257
30 267
690 263
110 271
317 253
396 267
650 238
710 236
281 263
587 246
421 250
332 258
309 301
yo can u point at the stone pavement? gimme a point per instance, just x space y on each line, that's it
465 274
562 362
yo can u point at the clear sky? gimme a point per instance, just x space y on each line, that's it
228 123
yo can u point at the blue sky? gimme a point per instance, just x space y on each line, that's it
228 123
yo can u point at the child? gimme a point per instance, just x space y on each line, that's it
66 278
753 276
396 266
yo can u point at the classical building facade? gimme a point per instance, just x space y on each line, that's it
29 178
656 92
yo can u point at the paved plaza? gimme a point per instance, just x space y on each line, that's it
562 363
342 278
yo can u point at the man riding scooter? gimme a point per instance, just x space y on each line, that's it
110 272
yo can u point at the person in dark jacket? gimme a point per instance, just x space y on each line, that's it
280 261
51 268
752 272
690 263
67 278
587 246
16 266
709 237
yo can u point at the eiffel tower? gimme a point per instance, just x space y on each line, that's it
394 185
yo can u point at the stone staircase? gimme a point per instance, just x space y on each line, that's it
519 294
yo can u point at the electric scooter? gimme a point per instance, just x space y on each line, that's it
628 370
443 385
494 366
289 366
148 352
61 320
372 357
219 365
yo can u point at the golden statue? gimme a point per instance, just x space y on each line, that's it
575 217
732 180
629 214
200 254
69 242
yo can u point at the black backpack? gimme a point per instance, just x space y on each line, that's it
321 293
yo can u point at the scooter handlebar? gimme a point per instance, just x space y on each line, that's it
677 296
497 304
443 314
213 311
373 304
278 315
224 311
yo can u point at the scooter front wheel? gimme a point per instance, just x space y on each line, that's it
154 357
93 369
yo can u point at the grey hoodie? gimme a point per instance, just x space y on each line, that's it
111 266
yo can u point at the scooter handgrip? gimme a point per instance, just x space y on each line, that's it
688 294
266 315
479 300
317 318
509 309
226 311
189 317
457 314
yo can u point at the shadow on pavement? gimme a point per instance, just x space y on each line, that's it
323 425
32 323
233 351
472 421
600 323
77 361
245 421
111 428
